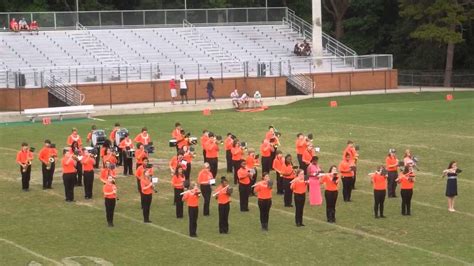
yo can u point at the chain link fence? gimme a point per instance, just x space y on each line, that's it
460 78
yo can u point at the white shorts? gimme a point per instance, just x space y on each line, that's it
173 93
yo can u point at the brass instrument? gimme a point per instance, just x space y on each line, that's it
51 160
24 167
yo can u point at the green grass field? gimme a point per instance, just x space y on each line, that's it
39 226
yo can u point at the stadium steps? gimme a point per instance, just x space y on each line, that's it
63 91
299 83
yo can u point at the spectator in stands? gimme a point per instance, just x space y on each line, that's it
244 99
306 48
297 50
210 90
235 98
257 98
23 24
183 89
173 90
34 26
14 25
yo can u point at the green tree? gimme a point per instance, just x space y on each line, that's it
438 21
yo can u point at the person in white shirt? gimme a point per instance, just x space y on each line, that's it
235 98
257 97
183 89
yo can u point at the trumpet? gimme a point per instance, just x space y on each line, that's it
51 160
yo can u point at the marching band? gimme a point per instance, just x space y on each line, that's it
292 181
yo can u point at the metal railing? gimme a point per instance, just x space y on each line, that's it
148 18
305 30
302 82
63 91
459 78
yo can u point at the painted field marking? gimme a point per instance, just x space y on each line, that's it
97 119
27 250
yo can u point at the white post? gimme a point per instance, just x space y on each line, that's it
317 43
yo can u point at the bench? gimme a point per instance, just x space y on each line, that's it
60 112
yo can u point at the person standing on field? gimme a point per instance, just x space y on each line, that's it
452 184
183 89
173 90
210 90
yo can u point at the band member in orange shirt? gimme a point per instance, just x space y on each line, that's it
407 182
178 136
126 145
77 150
113 133
277 166
68 163
48 156
212 153
74 137
264 195
89 135
143 137
88 167
191 197
25 158
204 180
108 170
188 157
140 155
301 146
222 194
266 150
244 174
228 143
237 153
299 186
354 156
331 182
379 182
177 160
204 140
147 192
89 140
177 181
308 155
252 163
109 156
145 167
110 197
391 164
287 174
346 168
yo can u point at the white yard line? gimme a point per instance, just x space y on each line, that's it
27 250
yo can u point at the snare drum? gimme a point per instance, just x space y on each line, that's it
130 153
89 149
172 143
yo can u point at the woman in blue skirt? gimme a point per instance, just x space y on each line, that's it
452 184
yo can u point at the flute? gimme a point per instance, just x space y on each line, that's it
220 190
189 191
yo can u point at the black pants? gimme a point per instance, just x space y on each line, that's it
279 183
379 199
187 172
236 165
127 164
224 217
97 158
253 180
299 207
304 166
355 176
272 158
347 188
79 174
88 183
210 96
120 157
331 199
109 210
206 194
244 193
204 155
25 177
178 200
139 186
228 159
48 175
406 201
147 198
213 166
69 181
184 95
392 184
288 197
264 206
300 160
266 164
193 213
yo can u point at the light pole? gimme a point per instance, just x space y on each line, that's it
266 11
77 13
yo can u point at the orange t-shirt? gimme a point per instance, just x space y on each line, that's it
251 162
75 138
204 177
204 140
212 149
177 181
222 197
110 158
278 163
191 198
237 153
143 138
147 186
391 160
243 176
345 169
263 191
24 156
287 171
112 135
266 149
379 182
127 142
87 163
188 157
327 179
405 183
105 173
139 172
228 143
110 188
44 155
301 146
69 165
140 155
299 187
308 156
351 151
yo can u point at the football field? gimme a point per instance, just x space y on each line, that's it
40 227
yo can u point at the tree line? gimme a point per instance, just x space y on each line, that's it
421 34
